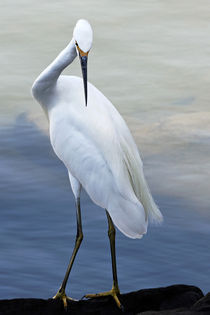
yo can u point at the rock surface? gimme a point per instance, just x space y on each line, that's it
175 299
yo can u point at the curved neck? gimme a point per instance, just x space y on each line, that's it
50 75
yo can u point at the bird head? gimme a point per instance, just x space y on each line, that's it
83 36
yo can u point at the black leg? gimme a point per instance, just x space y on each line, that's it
79 237
114 292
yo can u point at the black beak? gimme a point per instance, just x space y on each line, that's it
83 61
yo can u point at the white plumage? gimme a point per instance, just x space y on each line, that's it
96 146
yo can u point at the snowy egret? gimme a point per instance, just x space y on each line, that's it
91 138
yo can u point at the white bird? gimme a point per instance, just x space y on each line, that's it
93 141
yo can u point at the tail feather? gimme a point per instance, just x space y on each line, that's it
147 200
134 167
129 217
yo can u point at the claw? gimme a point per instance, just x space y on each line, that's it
117 301
62 296
113 292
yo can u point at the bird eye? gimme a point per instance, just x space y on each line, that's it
76 44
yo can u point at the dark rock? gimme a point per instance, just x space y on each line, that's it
178 311
203 304
167 298
176 299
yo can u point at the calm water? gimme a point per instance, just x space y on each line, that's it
152 60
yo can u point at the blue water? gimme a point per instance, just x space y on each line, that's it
37 230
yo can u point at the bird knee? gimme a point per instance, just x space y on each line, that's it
79 237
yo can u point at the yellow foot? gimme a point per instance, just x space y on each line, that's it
62 296
113 292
